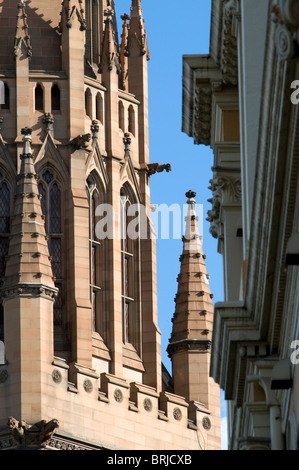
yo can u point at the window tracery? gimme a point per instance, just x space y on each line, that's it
97 261
50 192
130 280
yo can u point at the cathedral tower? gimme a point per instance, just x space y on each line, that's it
80 358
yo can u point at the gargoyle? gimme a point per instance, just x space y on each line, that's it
81 141
153 168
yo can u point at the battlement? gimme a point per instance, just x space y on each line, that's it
111 413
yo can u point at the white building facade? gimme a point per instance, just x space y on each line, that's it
241 99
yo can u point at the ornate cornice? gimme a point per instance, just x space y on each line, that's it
26 289
198 345
229 59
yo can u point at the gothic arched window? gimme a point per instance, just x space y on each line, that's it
130 270
131 118
88 103
121 116
55 97
97 261
39 98
4 236
92 31
99 108
50 192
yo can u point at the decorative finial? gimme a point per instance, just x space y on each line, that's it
191 195
127 141
26 132
94 129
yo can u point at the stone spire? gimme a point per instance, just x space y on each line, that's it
137 33
22 38
110 53
124 52
28 263
190 341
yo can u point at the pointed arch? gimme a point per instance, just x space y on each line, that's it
51 190
88 103
39 97
95 164
121 116
131 120
49 155
100 108
97 258
55 97
130 253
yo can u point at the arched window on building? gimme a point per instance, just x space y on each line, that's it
92 31
99 108
130 273
39 98
88 103
121 116
55 97
6 104
97 261
5 206
131 118
51 203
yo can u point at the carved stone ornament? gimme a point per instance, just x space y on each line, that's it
286 14
229 62
147 404
177 414
225 189
284 42
37 435
118 395
206 423
56 376
87 385
202 114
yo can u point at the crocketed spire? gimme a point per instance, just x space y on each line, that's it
193 317
28 261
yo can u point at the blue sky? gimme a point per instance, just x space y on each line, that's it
175 29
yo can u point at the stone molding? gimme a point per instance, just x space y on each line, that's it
225 189
285 13
26 289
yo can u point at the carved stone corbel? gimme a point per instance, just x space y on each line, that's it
225 189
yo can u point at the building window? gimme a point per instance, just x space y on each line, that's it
131 117
130 283
121 116
97 262
6 104
88 103
50 192
99 108
55 98
39 98
92 31
4 238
